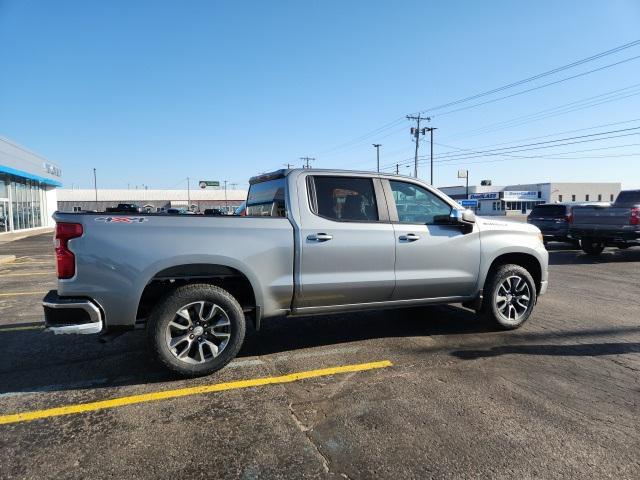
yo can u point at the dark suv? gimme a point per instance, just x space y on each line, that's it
553 220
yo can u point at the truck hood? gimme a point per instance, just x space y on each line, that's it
486 223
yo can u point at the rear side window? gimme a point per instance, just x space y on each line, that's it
345 199
548 211
630 197
266 199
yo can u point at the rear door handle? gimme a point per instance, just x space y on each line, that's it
409 237
320 237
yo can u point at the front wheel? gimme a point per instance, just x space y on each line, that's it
510 296
196 330
592 247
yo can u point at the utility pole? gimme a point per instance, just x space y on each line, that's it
416 134
188 193
307 160
397 169
377 146
288 165
226 206
95 187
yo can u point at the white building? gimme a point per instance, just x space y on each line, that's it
520 199
150 200
27 188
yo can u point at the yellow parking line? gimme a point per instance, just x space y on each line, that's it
15 294
2 275
183 392
17 329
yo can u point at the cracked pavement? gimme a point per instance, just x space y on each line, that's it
558 398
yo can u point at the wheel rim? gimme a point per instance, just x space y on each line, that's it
198 332
513 298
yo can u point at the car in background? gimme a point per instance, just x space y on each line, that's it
554 220
178 211
124 208
213 211
609 225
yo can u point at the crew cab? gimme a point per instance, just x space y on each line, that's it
311 242
615 225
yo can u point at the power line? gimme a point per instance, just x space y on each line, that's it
562 109
535 77
538 87
398 121
506 151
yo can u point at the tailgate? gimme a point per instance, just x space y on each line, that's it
604 215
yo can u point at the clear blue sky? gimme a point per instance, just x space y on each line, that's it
150 92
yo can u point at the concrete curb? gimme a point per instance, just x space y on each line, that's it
7 258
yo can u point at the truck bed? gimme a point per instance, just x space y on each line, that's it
119 254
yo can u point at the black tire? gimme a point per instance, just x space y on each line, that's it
591 247
575 243
196 298
492 308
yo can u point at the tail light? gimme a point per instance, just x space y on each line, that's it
635 216
65 259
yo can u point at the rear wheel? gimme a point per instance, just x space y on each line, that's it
592 247
510 296
196 330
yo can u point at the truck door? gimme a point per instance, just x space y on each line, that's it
432 260
345 240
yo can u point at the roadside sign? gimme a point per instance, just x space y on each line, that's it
469 203
209 183
463 173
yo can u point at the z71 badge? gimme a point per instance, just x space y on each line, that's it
121 219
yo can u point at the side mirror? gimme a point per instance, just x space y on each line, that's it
462 216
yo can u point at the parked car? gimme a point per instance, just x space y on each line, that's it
312 242
615 225
213 211
554 219
124 208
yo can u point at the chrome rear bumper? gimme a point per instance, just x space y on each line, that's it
64 315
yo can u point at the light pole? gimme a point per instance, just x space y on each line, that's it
95 187
377 147
188 194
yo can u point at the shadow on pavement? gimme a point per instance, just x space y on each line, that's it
575 350
37 361
564 256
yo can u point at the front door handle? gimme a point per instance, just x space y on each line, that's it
409 237
320 237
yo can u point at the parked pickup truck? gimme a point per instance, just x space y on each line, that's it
311 242
616 225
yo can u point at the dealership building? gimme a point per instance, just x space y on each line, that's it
28 185
520 199
151 201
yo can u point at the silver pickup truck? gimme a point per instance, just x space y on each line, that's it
311 242
615 225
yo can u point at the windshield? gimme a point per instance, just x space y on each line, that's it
548 211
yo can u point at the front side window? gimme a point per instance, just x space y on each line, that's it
266 199
345 199
416 204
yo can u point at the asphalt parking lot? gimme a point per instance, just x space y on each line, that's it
416 393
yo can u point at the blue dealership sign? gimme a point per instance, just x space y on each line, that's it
469 203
